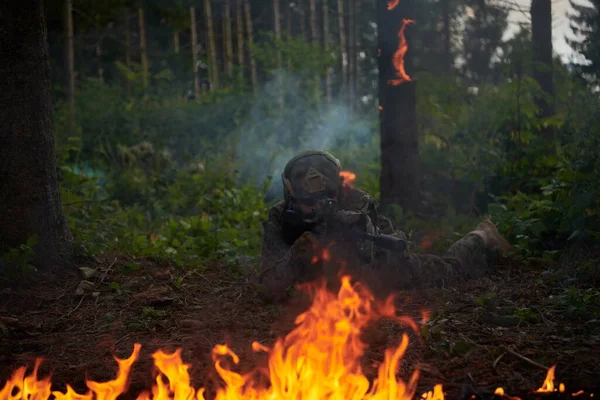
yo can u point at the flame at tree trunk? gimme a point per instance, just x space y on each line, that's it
398 59
320 359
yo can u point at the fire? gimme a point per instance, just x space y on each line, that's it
392 4
398 59
348 178
319 359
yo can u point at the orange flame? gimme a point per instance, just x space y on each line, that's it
392 4
348 178
319 359
398 58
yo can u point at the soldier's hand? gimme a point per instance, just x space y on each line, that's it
305 243
351 219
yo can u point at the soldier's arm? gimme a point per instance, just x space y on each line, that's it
281 265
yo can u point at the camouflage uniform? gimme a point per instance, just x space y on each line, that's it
286 261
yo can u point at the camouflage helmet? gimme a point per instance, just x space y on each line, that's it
311 173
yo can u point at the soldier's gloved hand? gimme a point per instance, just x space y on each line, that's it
351 219
302 249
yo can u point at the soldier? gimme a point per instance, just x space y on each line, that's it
343 218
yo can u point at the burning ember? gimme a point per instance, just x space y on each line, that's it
348 178
398 59
319 359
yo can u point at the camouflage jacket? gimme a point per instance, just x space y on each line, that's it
281 267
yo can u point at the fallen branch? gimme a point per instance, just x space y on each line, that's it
522 357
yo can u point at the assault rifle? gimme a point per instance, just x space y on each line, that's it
297 222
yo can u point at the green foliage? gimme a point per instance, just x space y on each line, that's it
16 261
184 214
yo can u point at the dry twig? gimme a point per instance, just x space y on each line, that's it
522 357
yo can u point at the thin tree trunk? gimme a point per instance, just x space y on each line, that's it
314 31
176 42
342 33
99 53
143 49
288 27
70 58
194 29
541 35
239 27
127 49
356 56
351 55
326 49
212 47
302 11
446 21
277 28
227 37
253 74
29 194
400 163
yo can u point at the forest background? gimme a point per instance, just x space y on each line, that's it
173 120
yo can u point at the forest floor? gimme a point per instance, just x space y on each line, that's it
474 341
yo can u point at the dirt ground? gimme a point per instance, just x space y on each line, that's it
472 344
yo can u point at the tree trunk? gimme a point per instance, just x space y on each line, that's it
343 63
127 49
351 54
227 37
194 29
176 42
302 11
314 30
277 29
70 59
400 164
239 27
29 194
212 46
356 51
326 49
288 28
99 52
541 38
446 21
253 74
143 50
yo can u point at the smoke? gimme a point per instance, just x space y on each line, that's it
275 130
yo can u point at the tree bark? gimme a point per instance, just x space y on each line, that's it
326 49
239 27
127 48
277 29
70 59
143 49
446 21
342 33
314 30
212 47
176 42
356 35
194 29
99 52
541 38
253 74
400 163
29 194
288 29
302 11
227 37
351 42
